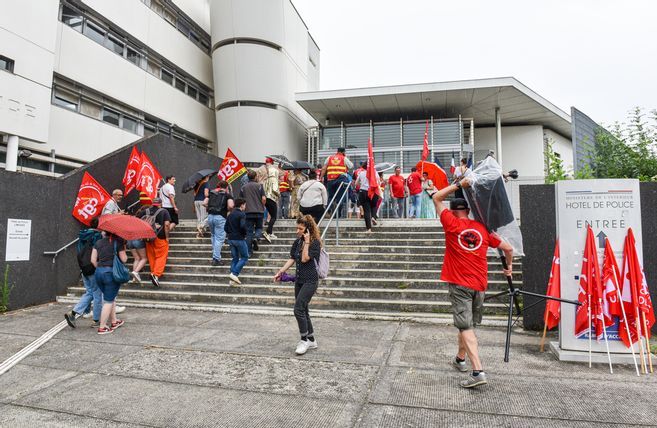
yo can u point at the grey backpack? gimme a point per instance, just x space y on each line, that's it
323 264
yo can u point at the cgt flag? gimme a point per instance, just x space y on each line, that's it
131 171
610 277
590 291
425 146
91 199
231 168
553 307
148 177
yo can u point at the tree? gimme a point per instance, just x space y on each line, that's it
553 165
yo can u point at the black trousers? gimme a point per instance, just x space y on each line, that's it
369 207
272 209
303 292
316 211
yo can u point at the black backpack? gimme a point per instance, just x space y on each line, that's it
84 259
217 202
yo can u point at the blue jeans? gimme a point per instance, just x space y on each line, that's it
415 205
106 283
332 189
92 293
284 204
216 224
240 253
253 229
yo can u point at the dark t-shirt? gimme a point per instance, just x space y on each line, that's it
160 218
253 193
235 227
306 272
200 195
105 249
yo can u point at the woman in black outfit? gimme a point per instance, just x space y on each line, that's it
304 253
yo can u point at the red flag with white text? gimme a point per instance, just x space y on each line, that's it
91 199
425 146
131 171
148 177
231 168
553 307
590 291
452 167
610 278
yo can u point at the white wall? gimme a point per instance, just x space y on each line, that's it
197 10
564 147
522 148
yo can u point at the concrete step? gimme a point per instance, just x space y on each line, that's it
378 247
362 241
353 234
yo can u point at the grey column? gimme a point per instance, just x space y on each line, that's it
12 153
498 136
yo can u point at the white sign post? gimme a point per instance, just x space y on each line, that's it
610 207
19 233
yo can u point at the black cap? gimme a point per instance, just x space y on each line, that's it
458 204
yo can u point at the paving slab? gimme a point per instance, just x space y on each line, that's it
11 343
21 416
23 380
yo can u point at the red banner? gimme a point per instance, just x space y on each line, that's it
131 171
148 177
425 146
553 307
91 199
372 175
590 312
231 168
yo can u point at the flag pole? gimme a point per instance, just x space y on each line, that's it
644 369
544 334
590 331
647 335
604 332
627 327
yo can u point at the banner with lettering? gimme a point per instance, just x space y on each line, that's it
148 177
231 168
131 170
91 199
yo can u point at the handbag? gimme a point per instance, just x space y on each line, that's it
120 273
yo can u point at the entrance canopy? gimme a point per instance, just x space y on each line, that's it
476 99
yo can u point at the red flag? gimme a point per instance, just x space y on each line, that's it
425 147
590 291
553 307
372 175
148 177
231 168
131 170
452 167
610 277
91 199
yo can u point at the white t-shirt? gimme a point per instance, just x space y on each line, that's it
166 191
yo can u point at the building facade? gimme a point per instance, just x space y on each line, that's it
82 78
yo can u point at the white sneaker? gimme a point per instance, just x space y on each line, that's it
266 236
302 347
136 278
87 315
120 309
312 344
272 236
234 278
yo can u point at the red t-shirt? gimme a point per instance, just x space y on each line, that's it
396 186
414 183
466 243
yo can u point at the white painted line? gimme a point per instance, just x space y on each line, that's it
20 355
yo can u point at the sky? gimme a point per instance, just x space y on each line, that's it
599 56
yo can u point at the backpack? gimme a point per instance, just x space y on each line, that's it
84 259
217 202
323 264
150 219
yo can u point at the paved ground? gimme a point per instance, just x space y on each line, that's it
174 368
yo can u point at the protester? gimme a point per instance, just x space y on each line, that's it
219 202
396 184
168 197
157 250
102 257
353 207
312 197
87 239
368 205
414 185
112 206
459 173
304 254
137 248
465 269
272 194
296 180
335 169
201 191
236 231
254 194
382 187
428 209
284 188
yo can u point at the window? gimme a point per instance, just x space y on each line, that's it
65 99
130 124
133 56
72 18
114 44
167 76
180 84
110 116
192 91
90 108
94 32
6 64
203 98
153 67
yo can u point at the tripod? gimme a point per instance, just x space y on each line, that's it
513 294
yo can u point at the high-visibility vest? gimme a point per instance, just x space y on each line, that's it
336 166
284 185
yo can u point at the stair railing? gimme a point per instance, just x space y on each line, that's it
330 204
54 254
337 219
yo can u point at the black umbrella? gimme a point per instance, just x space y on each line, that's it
298 165
282 159
192 181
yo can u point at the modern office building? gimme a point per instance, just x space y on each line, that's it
81 78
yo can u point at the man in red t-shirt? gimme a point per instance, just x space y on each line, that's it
414 184
397 192
465 269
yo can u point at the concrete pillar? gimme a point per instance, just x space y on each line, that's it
498 136
12 153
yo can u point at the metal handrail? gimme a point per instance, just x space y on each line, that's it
331 202
337 221
54 254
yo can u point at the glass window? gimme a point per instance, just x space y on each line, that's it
130 124
206 45
72 18
446 134
393 157
90 108
63 169
66 99
6 64
183 27
169 16
133 56
114 44
331 138
203 98
356 136
388 135
110 116
153 67
411 158
192 91
180 84
167 76
414 135
94 32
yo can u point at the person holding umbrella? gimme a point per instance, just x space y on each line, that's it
201 191
102 257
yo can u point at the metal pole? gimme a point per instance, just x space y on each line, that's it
433 155
401 143
498 135
460 140
472 139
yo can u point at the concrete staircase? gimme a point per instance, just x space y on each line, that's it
392 273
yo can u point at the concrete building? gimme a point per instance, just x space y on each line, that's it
82 78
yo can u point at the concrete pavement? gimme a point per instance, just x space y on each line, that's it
185 368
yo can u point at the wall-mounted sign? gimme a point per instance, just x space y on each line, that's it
19 233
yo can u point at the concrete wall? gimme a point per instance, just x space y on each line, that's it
522 148
538 225
562 146
48 202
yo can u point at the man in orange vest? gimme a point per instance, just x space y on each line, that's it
284 189
335 169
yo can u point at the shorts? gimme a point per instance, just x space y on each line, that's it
173 214
105 280
136 244
467 306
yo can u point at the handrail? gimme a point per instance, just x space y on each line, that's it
337 221
331 202
56 253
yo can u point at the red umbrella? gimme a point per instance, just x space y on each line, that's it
436 173
126 226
